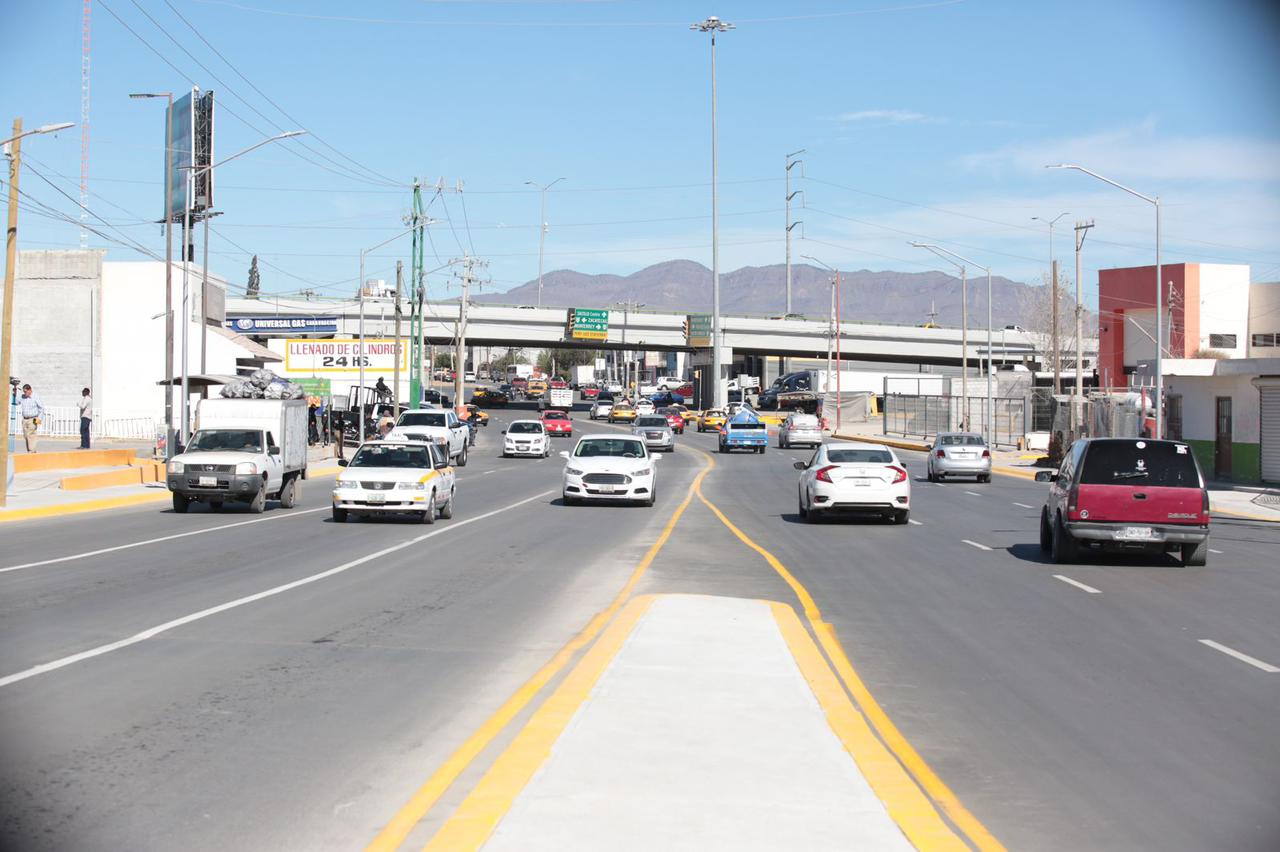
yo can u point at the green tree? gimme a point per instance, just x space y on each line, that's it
254 287
445 360
565 360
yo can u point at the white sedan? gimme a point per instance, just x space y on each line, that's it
390 476
854 477
609 467
600 409
526 438
645 406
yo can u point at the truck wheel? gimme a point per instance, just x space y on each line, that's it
1064 547
446 511
259 501
462 457
1196 555
339 515
180 503
429 516
1046 534
289 493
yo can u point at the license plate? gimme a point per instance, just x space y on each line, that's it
965 456
209 481
605 489
377 498
1137 533
862 483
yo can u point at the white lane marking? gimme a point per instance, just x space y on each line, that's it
99 552
975 544
1024 506
1090 589
973 493
942 485
1244 658
44 668
1211 550
914 522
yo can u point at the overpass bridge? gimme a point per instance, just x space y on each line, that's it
746 337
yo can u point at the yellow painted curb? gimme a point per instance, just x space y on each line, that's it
79 508
103 479
1013 471
903 799
1275 519
478 815
888 442
70 459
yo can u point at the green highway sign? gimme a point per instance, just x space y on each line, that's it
698 330
587 324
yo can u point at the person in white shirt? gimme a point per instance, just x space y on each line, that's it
86 417
30 409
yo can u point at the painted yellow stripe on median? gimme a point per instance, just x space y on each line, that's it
430 792
907 805
928 780
478 815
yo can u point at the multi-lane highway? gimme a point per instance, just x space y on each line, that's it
227 681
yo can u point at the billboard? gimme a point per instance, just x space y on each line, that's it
587 324
306 357
284 325
202 151
180 156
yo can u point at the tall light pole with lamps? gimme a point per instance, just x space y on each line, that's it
542 228
13 147
835 309
960 261
1159 388
1056 344
714 25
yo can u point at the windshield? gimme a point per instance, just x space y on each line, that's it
651 421
961 440
237 440
617 447
423 418
555 415
373 455
524 428
1147 463
859 456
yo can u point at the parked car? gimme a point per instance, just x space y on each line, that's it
557 423
851 476
1126 494
656 433
392 476
675 419
525 438
959 454
800 429
609 467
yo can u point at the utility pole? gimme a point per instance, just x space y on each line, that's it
1055 344
469 264
542 228
6 330
1082 230
791 161
395 370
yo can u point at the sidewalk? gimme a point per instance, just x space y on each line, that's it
698 722
39 495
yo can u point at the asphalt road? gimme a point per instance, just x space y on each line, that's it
280 709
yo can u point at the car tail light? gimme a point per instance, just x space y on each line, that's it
942 454
986 454
1073 502
899 475
1204 505
824 474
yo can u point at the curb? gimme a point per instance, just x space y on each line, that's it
880 439
1271 519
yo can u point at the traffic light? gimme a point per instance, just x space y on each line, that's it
686 328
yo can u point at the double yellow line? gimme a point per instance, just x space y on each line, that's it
912 792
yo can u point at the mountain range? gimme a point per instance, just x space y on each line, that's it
866 295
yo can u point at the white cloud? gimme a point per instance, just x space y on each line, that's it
1140 152
887 116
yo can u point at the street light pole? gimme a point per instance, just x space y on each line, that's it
1082 230
1155 201
714 25
542 229
834 326
952 257
11 259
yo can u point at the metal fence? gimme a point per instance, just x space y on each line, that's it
63 421
924 416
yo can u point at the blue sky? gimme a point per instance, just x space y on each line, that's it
920 120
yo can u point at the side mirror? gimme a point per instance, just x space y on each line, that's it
342 462
504 431
1046 476
273 451
564 454
441 465
800 465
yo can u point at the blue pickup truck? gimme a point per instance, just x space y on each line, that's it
744 431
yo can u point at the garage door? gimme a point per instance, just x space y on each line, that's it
1269 428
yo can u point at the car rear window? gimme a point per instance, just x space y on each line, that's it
1148 463
860 456
652 421
806 422
736 426
961 441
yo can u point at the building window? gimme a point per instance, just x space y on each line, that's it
1272 339
1222 341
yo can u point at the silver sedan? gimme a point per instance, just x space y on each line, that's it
655 431
800 429
959 454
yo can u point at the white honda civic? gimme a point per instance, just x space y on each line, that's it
850 476
609 467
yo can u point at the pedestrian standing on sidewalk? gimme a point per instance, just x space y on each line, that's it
86 417
31 411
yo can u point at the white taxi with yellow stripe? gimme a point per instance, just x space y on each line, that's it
396 477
